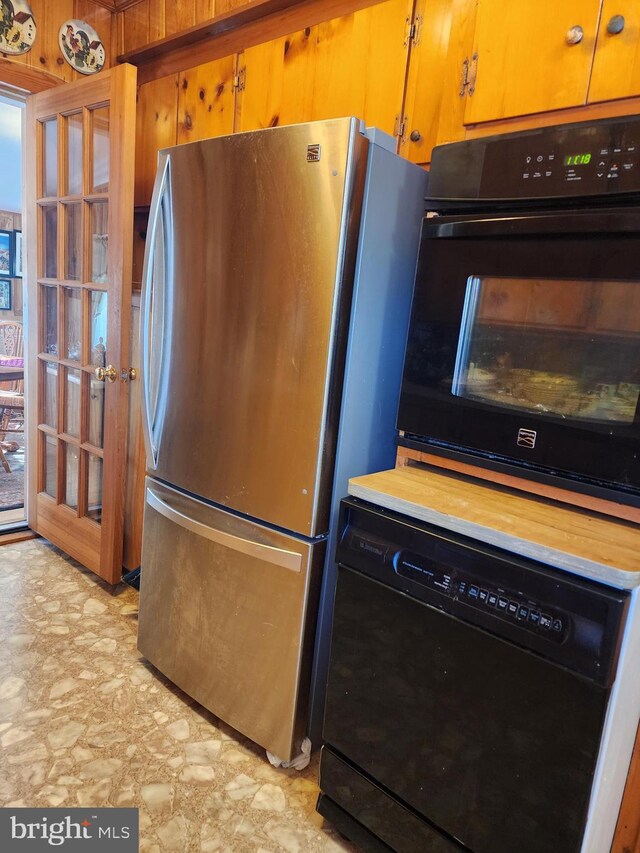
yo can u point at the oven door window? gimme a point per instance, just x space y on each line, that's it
568 348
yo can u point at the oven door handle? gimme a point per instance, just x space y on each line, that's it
604 222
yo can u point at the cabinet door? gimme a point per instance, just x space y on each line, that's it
426 65
525 63
206 100
353 65
616 67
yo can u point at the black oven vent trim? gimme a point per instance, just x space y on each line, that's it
616 492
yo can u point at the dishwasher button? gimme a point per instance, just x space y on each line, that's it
545 621
482 595
492 599
512 609
503 603
557 625
534 617
523 612
473 591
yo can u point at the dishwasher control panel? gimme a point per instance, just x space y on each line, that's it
499 602
573 621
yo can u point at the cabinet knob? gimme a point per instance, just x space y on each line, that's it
616 25
415 136
575 35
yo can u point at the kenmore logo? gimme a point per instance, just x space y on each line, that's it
527 438
313 153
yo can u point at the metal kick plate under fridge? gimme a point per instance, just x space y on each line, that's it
249 273
228 613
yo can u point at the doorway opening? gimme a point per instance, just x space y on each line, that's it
12 319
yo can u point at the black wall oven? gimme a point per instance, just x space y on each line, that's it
524 344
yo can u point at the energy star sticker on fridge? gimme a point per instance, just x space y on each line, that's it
277 286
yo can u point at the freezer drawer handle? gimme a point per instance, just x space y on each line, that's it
278 556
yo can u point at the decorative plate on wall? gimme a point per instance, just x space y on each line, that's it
17 27
81 46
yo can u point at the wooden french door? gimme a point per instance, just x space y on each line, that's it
79 235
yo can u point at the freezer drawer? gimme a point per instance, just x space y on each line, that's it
228 613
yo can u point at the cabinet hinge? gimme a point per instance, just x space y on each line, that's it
412 31
469 74
400 127
240 79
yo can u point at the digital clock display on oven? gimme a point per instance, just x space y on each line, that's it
577 159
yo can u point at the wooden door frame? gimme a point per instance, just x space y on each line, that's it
23 81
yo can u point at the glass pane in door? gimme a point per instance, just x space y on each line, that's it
50 461
74 154
99 242
100 150
71 466
50 157
73 323
50 385
73 397
73 253
50 240
49 341
96 413
98 328
94 485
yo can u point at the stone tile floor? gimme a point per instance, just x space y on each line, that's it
84 720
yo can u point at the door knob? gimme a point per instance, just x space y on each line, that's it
415 136
109 373
128 375
616 25
575 35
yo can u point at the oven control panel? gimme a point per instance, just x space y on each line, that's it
585 159
499 602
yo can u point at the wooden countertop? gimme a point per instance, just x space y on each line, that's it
575 540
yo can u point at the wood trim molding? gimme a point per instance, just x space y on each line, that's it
111 5
121 5
31 80
232 32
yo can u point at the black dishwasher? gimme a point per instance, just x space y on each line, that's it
466 695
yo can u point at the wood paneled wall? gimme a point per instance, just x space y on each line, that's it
45 55
151 20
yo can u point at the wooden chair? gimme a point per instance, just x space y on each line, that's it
11 393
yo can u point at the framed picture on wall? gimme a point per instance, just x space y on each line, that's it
6 255
17 254
5 295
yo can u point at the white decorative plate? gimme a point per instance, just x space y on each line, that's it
17 27
81 46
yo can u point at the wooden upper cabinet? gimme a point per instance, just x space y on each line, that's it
525 63
429 46
616 67
352 65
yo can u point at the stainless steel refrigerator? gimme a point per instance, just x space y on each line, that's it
278 278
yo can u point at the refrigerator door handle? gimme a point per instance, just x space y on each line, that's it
277 556
153 341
